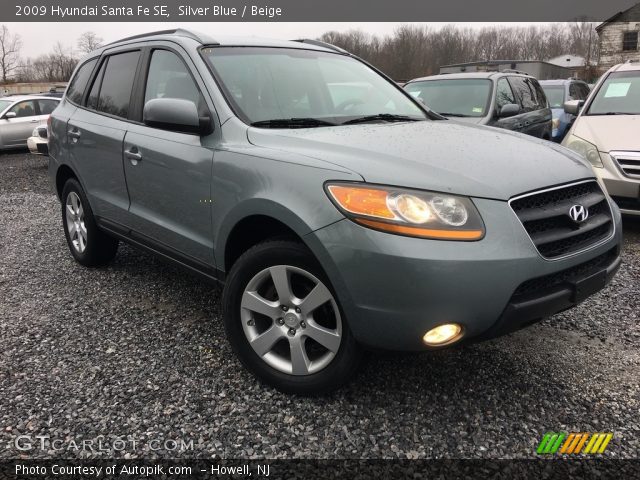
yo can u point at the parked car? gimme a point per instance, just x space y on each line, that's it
509 100
606 133
558 92
19 114
38 141
334 227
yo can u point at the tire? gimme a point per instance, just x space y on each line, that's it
92 248
306 349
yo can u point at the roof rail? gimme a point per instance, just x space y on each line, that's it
511 70
319 43
176 31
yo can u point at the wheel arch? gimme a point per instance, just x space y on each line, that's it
252 222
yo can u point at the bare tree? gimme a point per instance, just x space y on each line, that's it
89 41
413 51
10 46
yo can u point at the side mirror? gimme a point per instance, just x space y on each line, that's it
10 115
573 107
509 110
176 115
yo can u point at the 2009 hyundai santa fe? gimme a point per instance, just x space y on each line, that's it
339 213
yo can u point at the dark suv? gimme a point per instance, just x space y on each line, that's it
511 100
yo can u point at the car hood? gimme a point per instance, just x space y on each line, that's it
435 155
610 132
467 120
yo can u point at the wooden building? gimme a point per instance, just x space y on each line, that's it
619 38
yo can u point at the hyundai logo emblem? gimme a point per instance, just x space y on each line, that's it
579 213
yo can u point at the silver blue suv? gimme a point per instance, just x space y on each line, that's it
338 211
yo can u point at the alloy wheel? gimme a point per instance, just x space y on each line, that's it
75 222
291 320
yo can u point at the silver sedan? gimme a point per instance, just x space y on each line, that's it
20 114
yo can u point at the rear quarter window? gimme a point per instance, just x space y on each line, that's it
80 80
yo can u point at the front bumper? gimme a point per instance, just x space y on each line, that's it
393 289
624 190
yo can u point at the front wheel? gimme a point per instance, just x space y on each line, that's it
284 322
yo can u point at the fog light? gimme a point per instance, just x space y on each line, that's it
443 334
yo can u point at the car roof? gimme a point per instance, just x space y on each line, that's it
462 75
17 98
566 81
626 67
185 36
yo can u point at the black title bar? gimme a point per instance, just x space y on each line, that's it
309 10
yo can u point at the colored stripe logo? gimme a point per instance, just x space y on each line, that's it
573 443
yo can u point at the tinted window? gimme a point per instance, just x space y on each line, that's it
575 92
504 94
24 109
541 98
467 97
80 80
47 106
92 99
585 90
525 93
117 82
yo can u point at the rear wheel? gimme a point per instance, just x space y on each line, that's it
284 321
89 245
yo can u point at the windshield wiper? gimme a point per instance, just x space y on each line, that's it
292 123
387 117
447 114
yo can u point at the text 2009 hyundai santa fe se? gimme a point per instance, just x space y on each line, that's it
339 212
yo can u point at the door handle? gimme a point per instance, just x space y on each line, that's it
133 155
34 121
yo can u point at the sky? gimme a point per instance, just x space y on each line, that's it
39 38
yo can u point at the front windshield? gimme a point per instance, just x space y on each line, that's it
619 94
467 97
265 84
4 104
555 95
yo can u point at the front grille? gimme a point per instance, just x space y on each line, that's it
627 203
539 285
628 162
545 217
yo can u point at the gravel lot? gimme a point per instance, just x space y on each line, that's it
137 351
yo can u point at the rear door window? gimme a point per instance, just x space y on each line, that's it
117 83
47 106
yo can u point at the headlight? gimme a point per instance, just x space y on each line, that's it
584 148
408 212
